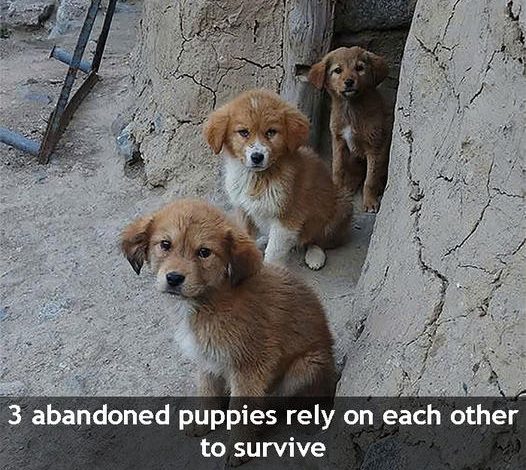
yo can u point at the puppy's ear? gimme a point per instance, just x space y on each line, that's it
379 67
134 242
245 258
214 130
298 127
317 74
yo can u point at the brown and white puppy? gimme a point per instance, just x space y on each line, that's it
360 124
279 184
254 330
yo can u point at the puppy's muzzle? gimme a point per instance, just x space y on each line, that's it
174 279
256 156
349 89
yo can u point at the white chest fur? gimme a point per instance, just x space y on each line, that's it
347 135
262 207
207 357
184 334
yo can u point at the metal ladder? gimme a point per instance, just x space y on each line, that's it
66 107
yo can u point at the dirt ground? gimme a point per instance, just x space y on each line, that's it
74 318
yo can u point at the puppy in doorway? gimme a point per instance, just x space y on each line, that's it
359 123
280 186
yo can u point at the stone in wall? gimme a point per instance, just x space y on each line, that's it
359 15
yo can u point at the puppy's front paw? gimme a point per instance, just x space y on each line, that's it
370 203
315 257
197 430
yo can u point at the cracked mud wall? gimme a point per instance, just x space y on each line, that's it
440 304
194 55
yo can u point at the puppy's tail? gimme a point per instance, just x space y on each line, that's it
339 229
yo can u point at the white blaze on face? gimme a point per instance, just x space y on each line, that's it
256 148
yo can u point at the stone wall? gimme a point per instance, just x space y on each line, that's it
360 15
439 307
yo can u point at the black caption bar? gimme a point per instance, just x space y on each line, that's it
176 432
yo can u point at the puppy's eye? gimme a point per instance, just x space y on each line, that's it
243 133
337 70
204 252
360 68
271 133
165 245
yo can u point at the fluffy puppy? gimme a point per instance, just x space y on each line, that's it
254 330
360 124
279 184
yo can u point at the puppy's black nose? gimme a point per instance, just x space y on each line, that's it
257 157
174 279
349 83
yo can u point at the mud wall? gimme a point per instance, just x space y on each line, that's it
439 308
193 55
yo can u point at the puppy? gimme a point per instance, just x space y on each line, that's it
360 124
278 183
254 330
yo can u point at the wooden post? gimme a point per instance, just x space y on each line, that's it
307 37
